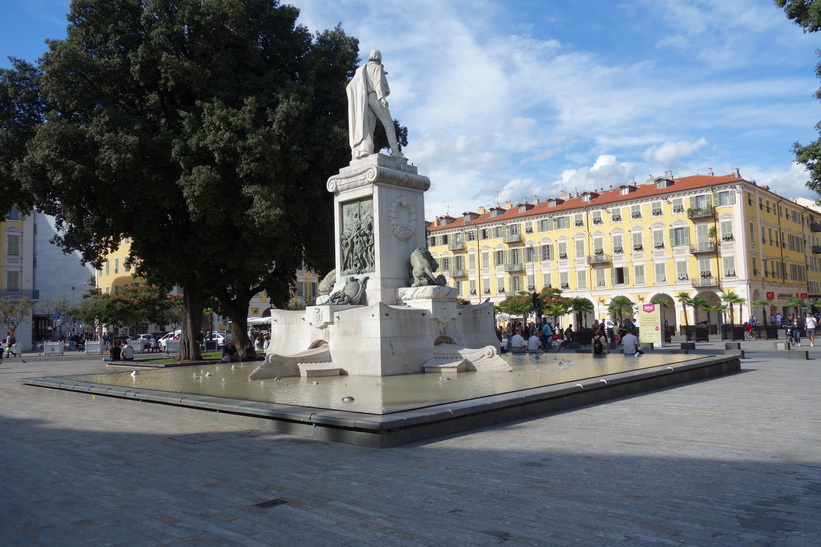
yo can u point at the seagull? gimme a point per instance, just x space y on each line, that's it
207 374
233 367
314 383
134 373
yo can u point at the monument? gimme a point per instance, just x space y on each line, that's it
385 310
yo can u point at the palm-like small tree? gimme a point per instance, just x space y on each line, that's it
581 307
663 304
621 305
764 305
797 303
555 311
731 299
718 308
685 300
697 302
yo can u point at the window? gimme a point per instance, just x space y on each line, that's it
516 284
615 215
755 265
444 239
561 223
705 269
726 227
546 281
638 272
597 218
661 272
445 263
562 250
531 282
678 205
578 220
13 245
546 252
12 280
515 256
598 246
486 284
655 209
580 248
499 231
729 266
470 236
726 197
600 277
635 211
459 262
618 247
679 236
563 280
681 270
544 225
107 266
486 259
637 243
658 239
499 258
500 284
116 265
472 261
432 241
513 230
530 254
619 276
581 279
484 233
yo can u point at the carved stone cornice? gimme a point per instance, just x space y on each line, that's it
374 169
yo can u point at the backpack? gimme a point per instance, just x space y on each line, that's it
597 346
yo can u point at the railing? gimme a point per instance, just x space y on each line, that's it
31 294
816 249
513 238
514 267
815 226
705 282
599 259
457 246
703 247
458 273
700 212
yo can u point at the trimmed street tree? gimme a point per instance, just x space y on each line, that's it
203 130
764 305
684 298
621 305
581 307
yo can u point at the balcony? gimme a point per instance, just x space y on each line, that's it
11 294
513 238
703 247
816 249
514 268
701 212
705 281
599 258
458 273
598 220
615 218
457 246
815 226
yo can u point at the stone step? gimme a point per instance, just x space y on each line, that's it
313 370
443 365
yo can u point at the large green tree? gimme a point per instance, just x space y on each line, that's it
203 131
807 14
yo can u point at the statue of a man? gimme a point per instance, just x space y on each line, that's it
367 103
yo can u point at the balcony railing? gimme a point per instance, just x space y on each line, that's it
599 259
457 246
513 238
11 294
458 273
708 281
514 267
700 212
815 226
816 249
703 247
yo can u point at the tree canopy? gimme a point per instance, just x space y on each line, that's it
203 130
807 14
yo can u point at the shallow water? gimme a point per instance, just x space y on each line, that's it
379 395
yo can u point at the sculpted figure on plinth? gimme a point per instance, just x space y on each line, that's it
367 102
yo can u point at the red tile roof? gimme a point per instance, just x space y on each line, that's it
605 198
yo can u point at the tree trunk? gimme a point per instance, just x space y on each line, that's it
238 312
191 322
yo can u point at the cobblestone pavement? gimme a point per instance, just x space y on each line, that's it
732 460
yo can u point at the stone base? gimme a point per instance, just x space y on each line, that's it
800 354
443 365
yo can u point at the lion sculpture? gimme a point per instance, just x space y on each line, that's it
422 267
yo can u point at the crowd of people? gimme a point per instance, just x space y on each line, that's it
540 337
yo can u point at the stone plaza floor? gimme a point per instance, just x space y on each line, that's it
731 460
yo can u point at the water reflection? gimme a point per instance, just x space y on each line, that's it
375 395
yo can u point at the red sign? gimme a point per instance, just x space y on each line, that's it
803 295
770 296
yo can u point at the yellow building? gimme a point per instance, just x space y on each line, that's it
705 235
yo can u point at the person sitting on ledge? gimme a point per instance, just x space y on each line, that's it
127 354
250 354
230 354
113 353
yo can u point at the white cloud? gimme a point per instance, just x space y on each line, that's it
669 153
606 172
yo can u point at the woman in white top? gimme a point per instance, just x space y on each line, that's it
810 325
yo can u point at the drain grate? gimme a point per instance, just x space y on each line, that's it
271 503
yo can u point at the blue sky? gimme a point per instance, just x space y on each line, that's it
507 100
